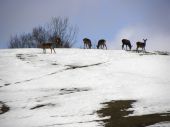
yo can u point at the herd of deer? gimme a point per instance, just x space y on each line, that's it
87 44
127 43
101 43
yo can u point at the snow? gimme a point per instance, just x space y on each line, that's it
69 97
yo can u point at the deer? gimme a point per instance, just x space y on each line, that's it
126 43
87 43
141 45
51 45
101 44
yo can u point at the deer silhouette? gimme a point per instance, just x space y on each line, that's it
126 43
101 44
87 43
141 45
51 45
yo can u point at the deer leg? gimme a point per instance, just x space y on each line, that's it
51 50
137 49
44 51
106 46
54 50
122 46
85 46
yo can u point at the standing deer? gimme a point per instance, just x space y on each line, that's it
126 43
87 43
51 45
101 44
141 45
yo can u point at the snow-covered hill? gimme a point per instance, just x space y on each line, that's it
67 88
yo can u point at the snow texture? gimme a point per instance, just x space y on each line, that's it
67 88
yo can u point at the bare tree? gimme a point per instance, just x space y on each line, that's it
61 28
14 42
22 41
57 27
40 35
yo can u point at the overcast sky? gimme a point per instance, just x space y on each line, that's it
96 19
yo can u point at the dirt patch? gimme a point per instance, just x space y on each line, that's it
25 57
20 56
118 113
84 66
42 105
162 53
54 64
155 53
147 53
72 67
30 55
141 53
3 108
72 90
17 82
7 84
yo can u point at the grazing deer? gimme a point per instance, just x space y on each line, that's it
51 45
126 43
101 44
141 45
87 43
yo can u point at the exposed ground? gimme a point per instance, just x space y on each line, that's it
119 111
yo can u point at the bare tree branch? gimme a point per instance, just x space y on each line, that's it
58 27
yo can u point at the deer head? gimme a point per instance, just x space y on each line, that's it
130 46
145 40
58 41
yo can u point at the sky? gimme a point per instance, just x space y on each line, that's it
111 20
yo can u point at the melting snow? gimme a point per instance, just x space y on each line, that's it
67 88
